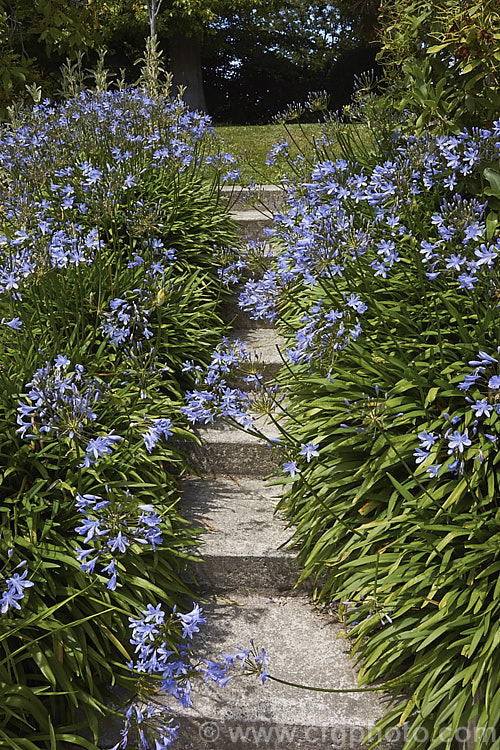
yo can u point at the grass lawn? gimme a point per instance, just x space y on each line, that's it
252 143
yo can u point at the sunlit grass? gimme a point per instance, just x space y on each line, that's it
252 143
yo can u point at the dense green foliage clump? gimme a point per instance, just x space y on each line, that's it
112 234
385 287
443 58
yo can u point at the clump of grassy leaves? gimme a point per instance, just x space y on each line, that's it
385 285
112 234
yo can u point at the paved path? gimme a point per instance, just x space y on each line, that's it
248 579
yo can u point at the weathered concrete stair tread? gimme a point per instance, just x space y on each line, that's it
269 196
302 647
226 450
264 345
239 514
262 341
252 214
240 550
223 433
251 223
227 190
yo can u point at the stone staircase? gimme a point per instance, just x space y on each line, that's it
247 578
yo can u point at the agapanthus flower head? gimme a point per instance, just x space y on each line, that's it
61 401
158 428
290 467
98 448
427 439
15 323
147 723
191 620
111 526
252 661
17 583
482 408
217 399
421 455
494 382
309 450
151 634
128 321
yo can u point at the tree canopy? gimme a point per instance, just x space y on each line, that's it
30 33
256 63
240 49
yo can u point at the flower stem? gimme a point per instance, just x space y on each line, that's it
326 690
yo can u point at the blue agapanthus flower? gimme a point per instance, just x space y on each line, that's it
98 448
110 526
60 401
159 427
16 584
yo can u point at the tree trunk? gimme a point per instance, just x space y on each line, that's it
185 63
153 7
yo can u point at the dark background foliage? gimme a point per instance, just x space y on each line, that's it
254 61
266 83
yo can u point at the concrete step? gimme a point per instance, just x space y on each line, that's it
228 451
302 646
241 547
251 224
264 342
264 345
231 312
246 209
269 197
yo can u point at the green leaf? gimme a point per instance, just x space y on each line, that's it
493 177
401 489
491 224
53 741
437 48
431 395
